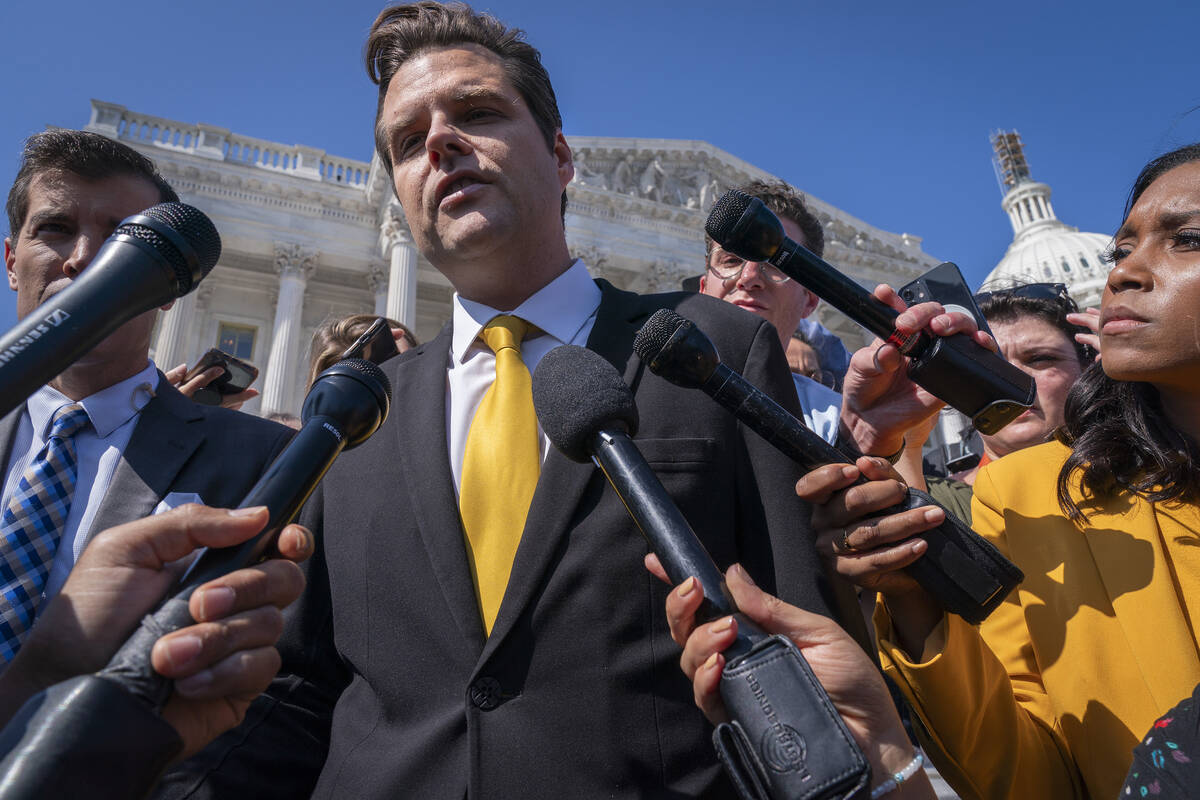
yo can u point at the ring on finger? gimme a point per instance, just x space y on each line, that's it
844 545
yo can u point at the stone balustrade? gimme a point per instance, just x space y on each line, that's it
209 141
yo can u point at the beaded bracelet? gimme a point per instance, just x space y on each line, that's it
893 783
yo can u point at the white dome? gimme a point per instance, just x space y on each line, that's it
1057 254
1044 249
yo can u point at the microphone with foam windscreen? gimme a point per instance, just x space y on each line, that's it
971 378
108 724
150 259
588 413
784 738
961 569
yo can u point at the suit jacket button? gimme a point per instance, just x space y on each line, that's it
485 693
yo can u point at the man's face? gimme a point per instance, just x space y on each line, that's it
68 220
471 167
781 304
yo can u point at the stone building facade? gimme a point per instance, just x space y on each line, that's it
307 235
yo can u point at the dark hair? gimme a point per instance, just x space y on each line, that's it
86 154
787 203
1009 305
405 31
1120 437
334 335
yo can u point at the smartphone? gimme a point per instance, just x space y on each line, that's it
376 344
237 377
944 284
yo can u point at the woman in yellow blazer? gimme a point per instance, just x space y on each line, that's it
1047 698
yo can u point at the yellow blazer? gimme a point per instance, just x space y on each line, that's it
1047 698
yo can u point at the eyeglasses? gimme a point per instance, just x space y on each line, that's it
1033 291
728 267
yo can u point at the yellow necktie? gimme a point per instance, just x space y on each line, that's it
500 467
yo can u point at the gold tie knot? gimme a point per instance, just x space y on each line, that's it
505 331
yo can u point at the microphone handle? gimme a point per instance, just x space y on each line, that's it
669 535
116 286
834 287
283 489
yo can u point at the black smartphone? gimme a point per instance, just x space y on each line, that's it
944 284
376 344
237 377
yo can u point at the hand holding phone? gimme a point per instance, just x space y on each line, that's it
204 384
377 344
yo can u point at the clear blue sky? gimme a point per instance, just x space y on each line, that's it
882 109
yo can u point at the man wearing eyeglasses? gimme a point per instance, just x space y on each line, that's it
763 290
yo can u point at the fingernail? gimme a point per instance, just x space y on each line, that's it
216 602
933 515
849 471
711 663
686 587
181 650
741 572
194 683
245 512
722 625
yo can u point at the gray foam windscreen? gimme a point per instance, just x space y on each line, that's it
576 392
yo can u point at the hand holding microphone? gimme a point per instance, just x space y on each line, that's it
963 571
108 724
784 738
956 369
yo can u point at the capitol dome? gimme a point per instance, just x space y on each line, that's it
1044 249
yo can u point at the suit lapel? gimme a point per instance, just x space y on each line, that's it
1149 614
420 409
8 431
162 442
562 483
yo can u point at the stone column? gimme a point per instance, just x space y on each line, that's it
295 265
377 280
396 243
174 341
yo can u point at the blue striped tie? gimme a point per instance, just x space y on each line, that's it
32 526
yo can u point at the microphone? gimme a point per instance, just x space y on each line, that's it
961 569
110 721
150 259
588 413
971 378
781 717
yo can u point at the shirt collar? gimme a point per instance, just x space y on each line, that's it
560 308
108 409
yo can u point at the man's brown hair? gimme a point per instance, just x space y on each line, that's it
405 31
89 155
787 203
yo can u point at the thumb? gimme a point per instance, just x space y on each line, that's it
163 538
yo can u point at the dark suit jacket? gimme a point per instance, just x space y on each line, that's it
179 446
391 689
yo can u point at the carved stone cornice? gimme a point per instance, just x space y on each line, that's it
293 259
662 275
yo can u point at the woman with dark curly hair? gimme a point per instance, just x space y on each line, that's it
1049 696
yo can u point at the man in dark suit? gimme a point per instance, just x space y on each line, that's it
140 446
408 673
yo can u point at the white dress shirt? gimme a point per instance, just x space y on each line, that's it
821 407
113 413
565 311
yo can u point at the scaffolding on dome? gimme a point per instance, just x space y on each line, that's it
1008 159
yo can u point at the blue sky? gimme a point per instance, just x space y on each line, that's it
882 109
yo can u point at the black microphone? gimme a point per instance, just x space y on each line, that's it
971 378
588 413
961 569
150 259
785 733
108 724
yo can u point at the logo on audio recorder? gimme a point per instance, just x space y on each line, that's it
781 747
